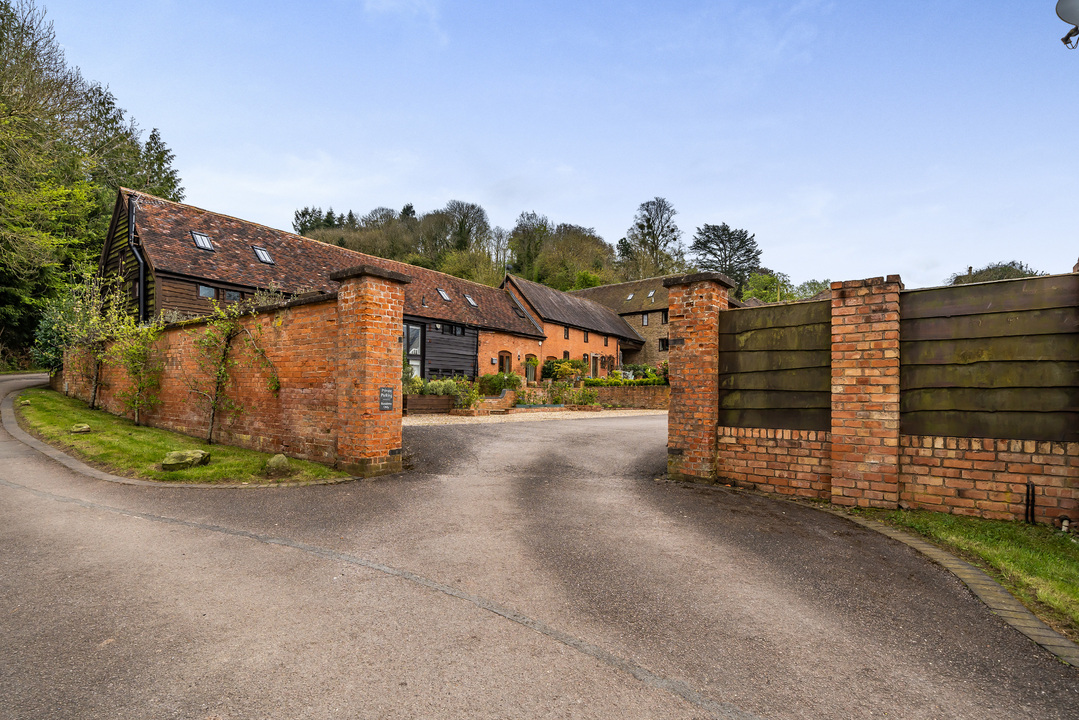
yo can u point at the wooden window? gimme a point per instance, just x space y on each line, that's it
644 319
565 332
207 292
505 361
664 344
565 354
530 368
586 336
664 318
233 296
605 338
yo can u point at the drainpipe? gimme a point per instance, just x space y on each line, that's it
138 257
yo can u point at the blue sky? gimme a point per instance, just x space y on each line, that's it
854 139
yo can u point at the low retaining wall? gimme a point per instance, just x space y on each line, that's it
647 397
964 476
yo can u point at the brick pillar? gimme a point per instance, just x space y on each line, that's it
370 323
695 302
865 392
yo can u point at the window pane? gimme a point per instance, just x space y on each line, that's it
412 340
206 291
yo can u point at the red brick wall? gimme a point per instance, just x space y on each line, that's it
331 357
370 310
865 392
299 420
695 303
651 397
491 343
988 478
864 460
787 462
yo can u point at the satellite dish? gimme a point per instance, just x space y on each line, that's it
1068 11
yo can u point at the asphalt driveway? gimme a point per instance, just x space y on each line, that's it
519 570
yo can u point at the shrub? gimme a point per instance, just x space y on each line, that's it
445 386
564 369
467 393
584 396
413 386
495 383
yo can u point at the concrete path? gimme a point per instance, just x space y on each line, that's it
520 570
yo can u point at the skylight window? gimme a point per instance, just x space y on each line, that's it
471 301
443 294
651 293
202 241
262 254
629 297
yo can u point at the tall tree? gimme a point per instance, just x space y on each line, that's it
65 146
721 248
526 242
652 245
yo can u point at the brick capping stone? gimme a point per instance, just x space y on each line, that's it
699 277
371 271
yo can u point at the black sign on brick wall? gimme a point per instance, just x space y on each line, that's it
385 398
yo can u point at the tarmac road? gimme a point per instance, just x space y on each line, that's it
520 570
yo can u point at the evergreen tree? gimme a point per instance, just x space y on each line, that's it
722 249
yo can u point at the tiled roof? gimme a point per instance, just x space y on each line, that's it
299 263
565 309
617 296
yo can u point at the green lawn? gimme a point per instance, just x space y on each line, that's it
1038 564
116 445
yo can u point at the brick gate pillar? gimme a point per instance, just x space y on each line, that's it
695 302
370 322
865 392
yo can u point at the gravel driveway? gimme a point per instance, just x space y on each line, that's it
527 569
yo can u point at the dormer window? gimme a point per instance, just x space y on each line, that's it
470 301
202 241
629 297
262 254
443 294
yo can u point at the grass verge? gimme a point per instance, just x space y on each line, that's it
1036 563
118 446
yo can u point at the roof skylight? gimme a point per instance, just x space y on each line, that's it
629 297
471 301
262 254
202 241
651 293
443 294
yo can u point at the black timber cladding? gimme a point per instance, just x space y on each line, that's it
449 349
994 360
775 366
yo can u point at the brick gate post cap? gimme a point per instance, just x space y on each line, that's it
699 277
369 270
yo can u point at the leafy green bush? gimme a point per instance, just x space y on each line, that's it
413 385
584 396
495 383
615 382
467 393
446 386
564 369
